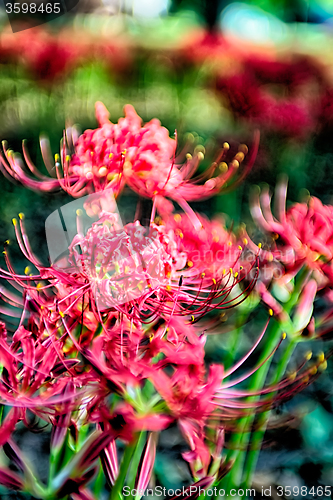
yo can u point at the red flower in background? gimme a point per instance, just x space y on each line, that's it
47 57
303 233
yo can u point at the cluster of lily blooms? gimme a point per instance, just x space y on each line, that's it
109 344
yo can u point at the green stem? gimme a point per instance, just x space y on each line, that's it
241 439
258 435
125 463
133 470
232 351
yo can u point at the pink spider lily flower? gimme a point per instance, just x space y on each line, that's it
211 249
303 234
34 376
134 271
125 153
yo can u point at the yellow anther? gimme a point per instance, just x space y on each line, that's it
226 146
14 221
200 156
259 245
234 163
236 274
239 157
177 218
223 167
223 272
241 268
7 242
68 158
322 367
190 263
124 151
199 149
229 243
56 158
292 376
321 357
102 172
79 212
192 318
230 269
313 370
27 270
214 281
243 148
284 335
270 257
270 312
203 275
188 156
308 355
151 336
21 215
245 241
110 156
39 286
168 288
61 314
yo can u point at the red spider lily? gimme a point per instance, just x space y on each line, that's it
125 153
303 234
211 249
27 380
46 57
140 273
294 111
291 116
